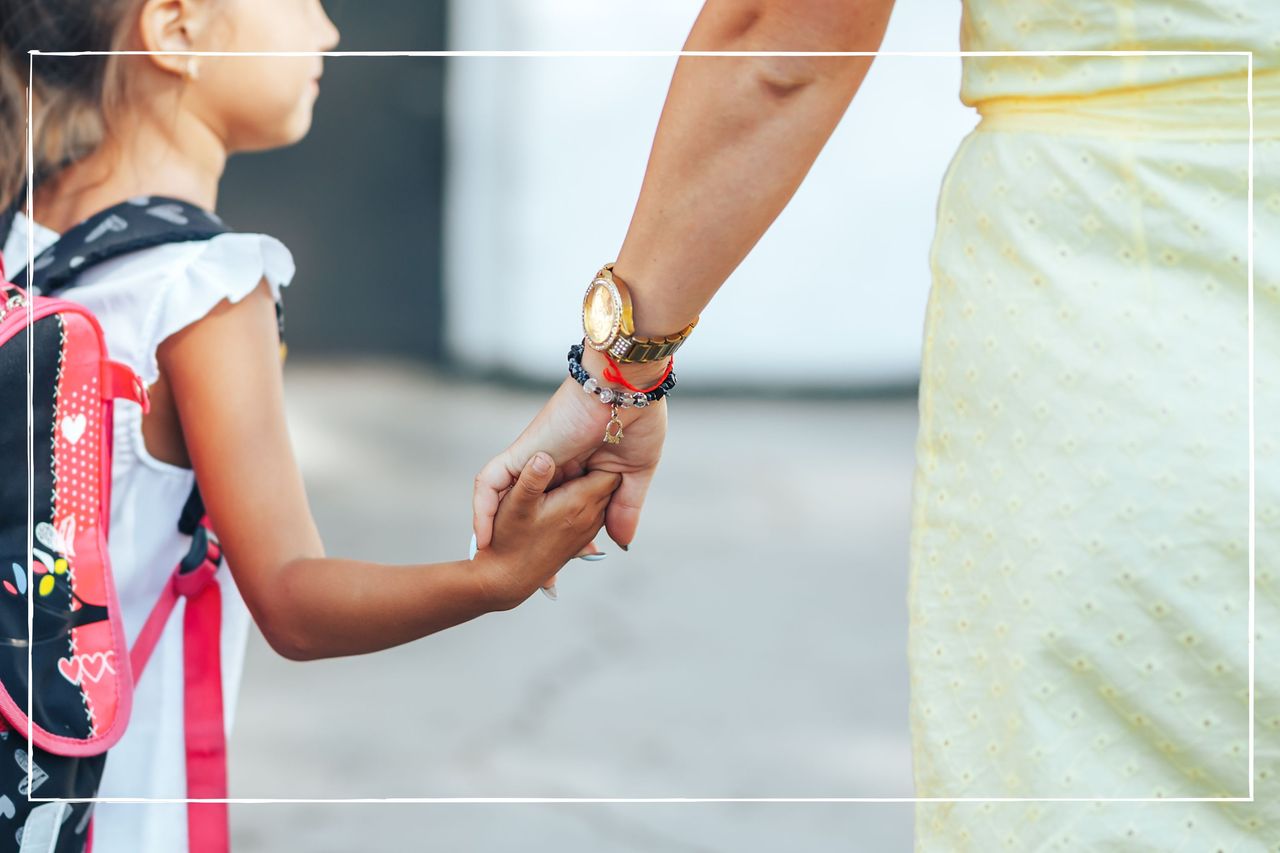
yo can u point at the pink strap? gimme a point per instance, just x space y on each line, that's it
146 641
208 824
119 380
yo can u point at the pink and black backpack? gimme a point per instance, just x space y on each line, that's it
54 563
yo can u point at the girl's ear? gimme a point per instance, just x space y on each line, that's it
171 25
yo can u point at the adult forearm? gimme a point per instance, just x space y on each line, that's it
735 138
331 607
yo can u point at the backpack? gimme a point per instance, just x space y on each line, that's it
82 675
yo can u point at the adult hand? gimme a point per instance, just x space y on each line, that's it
570 428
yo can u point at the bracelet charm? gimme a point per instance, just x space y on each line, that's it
614 437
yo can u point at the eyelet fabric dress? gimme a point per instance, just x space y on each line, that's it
1079 587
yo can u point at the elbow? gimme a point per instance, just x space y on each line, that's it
285 642
287 647
279 624
799 25
784 77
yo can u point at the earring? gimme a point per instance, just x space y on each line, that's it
192 70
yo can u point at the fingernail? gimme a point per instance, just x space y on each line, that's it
549 592
591 558
541 463
626 547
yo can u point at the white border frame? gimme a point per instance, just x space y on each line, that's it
656 54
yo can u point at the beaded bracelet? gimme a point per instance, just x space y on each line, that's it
618 399
638 397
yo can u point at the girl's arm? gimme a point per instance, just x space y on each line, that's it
226 379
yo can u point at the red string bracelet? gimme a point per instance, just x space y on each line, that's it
613 373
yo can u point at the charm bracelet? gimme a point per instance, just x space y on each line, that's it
616 398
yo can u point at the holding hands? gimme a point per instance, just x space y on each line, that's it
570 428
582 427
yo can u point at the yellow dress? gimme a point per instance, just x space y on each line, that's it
1079 589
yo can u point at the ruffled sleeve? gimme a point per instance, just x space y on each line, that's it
202 274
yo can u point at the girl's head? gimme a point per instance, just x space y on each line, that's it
80 104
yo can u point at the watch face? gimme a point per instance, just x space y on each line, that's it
600 314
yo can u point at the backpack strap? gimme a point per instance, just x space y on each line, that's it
139 223
194 578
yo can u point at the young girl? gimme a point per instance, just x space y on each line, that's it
197 322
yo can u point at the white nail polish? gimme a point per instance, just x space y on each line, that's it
549 592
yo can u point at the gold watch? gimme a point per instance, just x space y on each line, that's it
608 324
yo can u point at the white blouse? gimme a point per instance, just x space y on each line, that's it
140 299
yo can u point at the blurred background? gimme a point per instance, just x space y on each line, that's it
752 643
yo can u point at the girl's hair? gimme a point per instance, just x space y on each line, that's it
72 97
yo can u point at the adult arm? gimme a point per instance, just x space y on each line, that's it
735 138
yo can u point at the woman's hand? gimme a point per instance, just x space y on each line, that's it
535 532
570 428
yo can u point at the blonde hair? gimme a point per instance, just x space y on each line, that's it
72 97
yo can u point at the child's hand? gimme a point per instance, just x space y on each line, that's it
536 532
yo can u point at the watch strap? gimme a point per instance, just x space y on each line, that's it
635 350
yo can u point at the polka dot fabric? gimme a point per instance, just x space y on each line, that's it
78 465
1079 589
76 439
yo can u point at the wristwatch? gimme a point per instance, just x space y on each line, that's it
609 327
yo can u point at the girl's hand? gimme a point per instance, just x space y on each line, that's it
536 532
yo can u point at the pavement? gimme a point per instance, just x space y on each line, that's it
751 644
